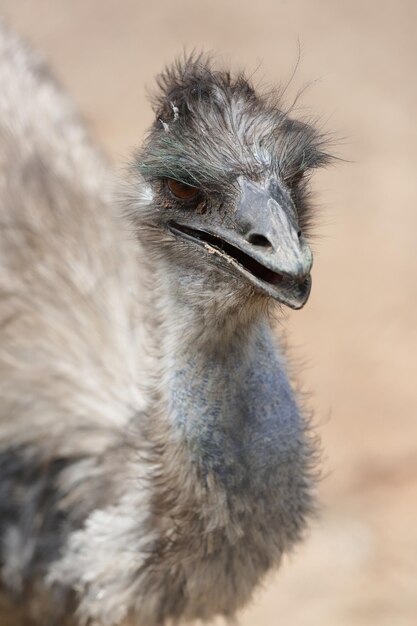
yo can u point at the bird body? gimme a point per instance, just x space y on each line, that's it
154 461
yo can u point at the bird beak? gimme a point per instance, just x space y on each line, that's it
262 240
267 223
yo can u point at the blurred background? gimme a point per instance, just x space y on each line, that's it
357 338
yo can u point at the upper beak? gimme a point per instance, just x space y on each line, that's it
264 242
266 220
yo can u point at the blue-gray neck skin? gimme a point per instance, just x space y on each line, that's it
230 397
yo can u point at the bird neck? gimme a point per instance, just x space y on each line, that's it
227 393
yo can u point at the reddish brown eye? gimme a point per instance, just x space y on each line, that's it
181 190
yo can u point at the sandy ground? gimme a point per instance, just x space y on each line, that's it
358 335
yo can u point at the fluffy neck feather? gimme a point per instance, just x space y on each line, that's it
226 389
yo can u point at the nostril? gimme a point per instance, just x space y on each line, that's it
259 240
299 233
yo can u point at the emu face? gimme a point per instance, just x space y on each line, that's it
228 171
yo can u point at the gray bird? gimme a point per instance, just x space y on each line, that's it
154 461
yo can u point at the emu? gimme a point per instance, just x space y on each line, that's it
154 460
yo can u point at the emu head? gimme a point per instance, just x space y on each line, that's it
227 171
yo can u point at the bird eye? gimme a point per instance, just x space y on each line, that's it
181 190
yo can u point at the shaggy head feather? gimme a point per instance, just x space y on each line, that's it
212 127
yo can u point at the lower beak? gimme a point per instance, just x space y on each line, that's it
261 269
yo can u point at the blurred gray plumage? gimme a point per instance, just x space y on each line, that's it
154 463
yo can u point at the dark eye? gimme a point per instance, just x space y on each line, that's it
181 190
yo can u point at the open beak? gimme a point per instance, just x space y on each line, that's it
263 243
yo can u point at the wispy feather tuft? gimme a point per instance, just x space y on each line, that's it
212 126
